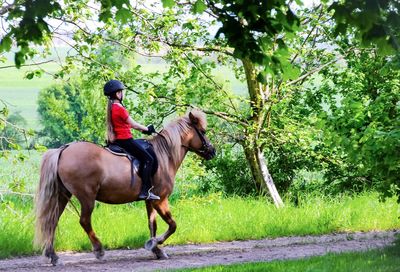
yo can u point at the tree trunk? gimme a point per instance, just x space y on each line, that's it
261 175
258 95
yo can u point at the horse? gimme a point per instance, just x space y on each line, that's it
91 173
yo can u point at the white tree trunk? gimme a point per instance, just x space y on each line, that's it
260 172
268 180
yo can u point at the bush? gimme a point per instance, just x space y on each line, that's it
70 112
228 173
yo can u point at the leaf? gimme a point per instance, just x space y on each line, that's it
188 25
29 75
123 15
5 44
19 59
40 148
262 77
168 3
105 15
290 72
199 7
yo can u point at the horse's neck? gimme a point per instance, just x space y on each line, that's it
176 156
179 160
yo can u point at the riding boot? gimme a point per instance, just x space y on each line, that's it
146 193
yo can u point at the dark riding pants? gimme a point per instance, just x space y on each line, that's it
145 158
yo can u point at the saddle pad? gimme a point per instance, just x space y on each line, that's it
116 150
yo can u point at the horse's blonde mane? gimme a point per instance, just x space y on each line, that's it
167 145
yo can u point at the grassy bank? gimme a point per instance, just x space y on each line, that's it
387 260
201 220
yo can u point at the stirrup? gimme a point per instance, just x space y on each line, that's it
149 196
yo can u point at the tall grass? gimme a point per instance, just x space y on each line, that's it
202 220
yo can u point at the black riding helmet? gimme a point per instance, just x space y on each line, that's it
113 86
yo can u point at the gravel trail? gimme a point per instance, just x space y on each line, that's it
198 255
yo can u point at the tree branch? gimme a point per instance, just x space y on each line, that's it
5 9
312 72
31 64
308 35
200 49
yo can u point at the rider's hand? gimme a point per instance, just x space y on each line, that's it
150 130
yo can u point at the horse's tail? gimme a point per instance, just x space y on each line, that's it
46 199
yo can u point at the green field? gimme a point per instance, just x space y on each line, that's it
20 94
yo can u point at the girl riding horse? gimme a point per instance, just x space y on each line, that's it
91 173
119 125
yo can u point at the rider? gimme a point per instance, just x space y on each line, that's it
119 125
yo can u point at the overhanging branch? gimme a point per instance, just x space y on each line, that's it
312 72
31 64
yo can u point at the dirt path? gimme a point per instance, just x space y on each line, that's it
209 254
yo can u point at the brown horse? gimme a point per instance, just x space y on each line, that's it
91 173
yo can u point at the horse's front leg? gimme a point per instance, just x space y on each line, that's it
151 218
163 210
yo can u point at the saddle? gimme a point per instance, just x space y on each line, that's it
135 163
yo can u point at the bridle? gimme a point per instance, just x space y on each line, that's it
205 147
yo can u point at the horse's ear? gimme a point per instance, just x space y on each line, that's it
193 119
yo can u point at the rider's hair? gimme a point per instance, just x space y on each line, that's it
110 129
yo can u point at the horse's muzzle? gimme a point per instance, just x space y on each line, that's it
211 152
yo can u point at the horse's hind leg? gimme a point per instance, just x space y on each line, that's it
63 199
85 221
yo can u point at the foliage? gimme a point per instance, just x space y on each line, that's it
242 26
228 174
274 46
361 121
69 113
377 22
12 136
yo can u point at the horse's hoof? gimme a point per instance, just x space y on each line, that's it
55 260
150 244
163 256
99 254
160 254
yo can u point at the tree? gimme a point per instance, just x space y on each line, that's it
267 46
69 112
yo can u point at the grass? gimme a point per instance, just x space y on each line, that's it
387 260
201 220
